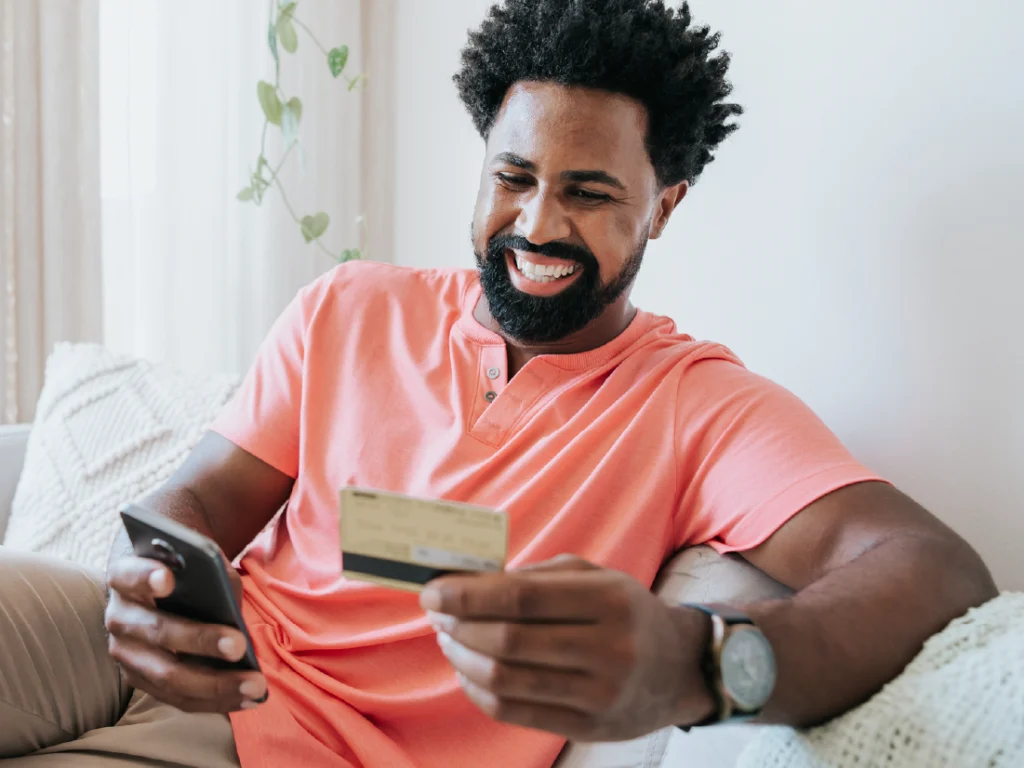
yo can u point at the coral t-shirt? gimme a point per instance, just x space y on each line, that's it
379 376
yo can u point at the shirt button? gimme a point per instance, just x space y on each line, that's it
489 397
493 373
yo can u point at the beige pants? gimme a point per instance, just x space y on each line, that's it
61 699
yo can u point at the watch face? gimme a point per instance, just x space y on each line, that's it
748 669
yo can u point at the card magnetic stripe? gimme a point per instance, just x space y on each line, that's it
392 569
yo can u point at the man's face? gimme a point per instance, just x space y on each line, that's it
568 199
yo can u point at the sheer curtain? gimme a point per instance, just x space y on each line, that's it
191 275
49 190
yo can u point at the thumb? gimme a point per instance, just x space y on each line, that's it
140 579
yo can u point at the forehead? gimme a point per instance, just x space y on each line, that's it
559 127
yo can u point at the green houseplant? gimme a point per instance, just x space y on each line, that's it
285 114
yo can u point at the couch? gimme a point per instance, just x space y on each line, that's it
698 574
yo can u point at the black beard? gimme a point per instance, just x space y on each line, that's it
540 319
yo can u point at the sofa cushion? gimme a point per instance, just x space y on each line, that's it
13 440
109 429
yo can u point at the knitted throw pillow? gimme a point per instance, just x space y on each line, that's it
108 430
959 703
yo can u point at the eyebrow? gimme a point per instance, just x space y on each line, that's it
580 177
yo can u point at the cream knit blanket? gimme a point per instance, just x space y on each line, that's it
959 704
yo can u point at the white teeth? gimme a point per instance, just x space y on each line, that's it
543 273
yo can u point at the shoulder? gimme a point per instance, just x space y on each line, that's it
709 381
362 285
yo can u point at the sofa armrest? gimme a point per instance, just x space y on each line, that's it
701 575
695 575
13 442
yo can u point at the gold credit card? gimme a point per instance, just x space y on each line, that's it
403 542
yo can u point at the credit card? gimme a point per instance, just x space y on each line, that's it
403 542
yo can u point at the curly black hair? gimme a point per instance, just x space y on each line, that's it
638 48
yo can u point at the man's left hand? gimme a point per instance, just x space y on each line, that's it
568 647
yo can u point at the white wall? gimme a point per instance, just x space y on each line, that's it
860 239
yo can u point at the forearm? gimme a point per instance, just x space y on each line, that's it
181 505
839 640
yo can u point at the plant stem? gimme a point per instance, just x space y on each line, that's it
288 205
311 35
283 158
284 199
277 58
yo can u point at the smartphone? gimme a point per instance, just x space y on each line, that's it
202 589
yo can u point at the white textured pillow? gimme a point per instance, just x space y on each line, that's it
109 429
959 703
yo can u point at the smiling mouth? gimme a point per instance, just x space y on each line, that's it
544 273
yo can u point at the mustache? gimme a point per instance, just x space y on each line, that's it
555 249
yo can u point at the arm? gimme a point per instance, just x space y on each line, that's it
876 576
229 488
220 491
229 495
590 654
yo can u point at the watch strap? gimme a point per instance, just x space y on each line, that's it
722 616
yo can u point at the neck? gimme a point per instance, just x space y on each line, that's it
609 324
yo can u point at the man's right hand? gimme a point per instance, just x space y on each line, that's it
145 641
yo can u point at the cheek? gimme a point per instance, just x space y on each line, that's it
492 214
612 237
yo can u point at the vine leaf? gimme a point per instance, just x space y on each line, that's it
290 118
337 58
271 105
314 226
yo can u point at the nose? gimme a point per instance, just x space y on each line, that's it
543 220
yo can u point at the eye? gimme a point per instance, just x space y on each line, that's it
586 196
512 181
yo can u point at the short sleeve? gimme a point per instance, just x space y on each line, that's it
264 416
751 455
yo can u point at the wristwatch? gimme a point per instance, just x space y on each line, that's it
739 666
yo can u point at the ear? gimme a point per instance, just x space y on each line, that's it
670 198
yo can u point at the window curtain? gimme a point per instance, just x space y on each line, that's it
192 276
50 285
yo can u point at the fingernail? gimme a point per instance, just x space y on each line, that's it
250 704
230 647
442 622
430 598
445 641
252 689
158 581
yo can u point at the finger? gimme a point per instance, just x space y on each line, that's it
574 725
582 596
183 684
140 579
174 633
563 562
564 646
185 703
583 691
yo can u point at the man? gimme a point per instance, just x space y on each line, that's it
533 386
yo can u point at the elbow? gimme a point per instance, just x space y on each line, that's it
980 586
962 578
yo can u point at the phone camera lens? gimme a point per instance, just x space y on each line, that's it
167 555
